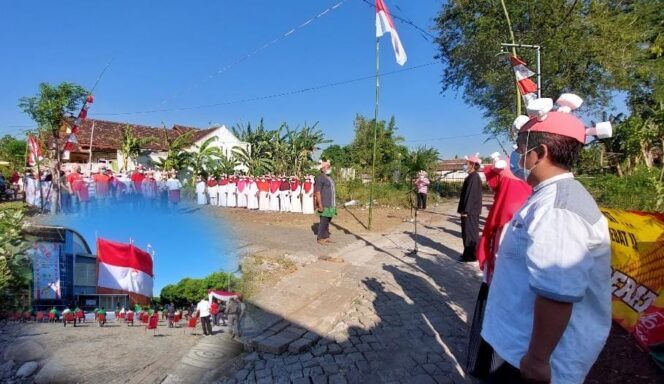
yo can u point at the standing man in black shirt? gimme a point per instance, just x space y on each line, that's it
470 206
325 201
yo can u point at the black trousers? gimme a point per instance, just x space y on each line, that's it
324 227
421 200
470 233
205 324
505 374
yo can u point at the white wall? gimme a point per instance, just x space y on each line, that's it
225 141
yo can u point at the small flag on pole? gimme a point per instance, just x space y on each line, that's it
527 87
385 24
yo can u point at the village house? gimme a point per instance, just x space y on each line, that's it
102 145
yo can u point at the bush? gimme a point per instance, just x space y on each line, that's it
384 194
640 190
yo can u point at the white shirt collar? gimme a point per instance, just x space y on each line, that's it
552 180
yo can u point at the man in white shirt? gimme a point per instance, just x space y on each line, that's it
203 309
549 308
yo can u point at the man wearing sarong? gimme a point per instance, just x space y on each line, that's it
222 191
284 195
308 195
295 194
274 193
201 199
263 194
325 201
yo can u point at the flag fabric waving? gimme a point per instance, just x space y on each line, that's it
385 24
527 87
124 267
34 150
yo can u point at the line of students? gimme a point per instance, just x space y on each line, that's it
263 193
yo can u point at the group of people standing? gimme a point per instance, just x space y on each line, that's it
147 187
263 193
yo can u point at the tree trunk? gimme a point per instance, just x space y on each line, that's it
647 155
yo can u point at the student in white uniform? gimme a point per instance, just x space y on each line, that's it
308 195
212 189
284 195
231 193
222 190
295 195
274 193
263 194
201 199
252 194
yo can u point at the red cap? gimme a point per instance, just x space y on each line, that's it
559 123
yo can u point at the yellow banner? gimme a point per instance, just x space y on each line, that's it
637 244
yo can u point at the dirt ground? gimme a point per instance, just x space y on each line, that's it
116 352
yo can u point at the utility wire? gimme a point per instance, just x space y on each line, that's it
272 96
247 56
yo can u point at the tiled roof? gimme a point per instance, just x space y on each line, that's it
108 134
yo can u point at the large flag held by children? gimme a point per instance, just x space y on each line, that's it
385 24
124 268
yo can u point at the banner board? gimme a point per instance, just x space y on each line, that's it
46 270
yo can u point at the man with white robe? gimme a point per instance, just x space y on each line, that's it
263 194
308 195
274 193
212 189
231 193
201 199
295 194
252 194
222 190
284 195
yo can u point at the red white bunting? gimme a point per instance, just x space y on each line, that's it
527 87
385 24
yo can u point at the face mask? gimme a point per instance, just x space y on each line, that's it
328 171
465 167
525 172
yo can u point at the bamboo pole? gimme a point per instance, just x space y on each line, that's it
373 161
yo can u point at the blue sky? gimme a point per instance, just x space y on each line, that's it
164 53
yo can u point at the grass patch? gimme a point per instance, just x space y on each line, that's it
262 271
640 191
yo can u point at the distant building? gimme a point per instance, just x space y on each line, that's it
65 271
106 140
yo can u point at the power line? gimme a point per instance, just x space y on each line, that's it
447 138
247 56
272 96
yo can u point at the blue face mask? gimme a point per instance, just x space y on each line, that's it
465 167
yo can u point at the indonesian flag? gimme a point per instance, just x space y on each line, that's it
220 295
34 150
385 24
124 267
527 87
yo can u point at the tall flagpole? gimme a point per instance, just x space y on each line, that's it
375 133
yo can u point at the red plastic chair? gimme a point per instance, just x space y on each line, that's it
80 315
152 323
102 319
70 318
122 315
130 318
177 318
39 316
191 324
51 317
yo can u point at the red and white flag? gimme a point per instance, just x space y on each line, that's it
34 150
124 267
385 24
527 87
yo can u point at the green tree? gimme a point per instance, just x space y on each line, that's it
421 159
15 271
255 164
339 156
176 158
12 150
388 147
589 47
49 109
201 156
131 146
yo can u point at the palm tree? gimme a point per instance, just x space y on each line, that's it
201 156
176 158
131 146
256 165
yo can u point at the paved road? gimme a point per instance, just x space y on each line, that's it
380 316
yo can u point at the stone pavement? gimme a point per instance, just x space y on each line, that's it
380 316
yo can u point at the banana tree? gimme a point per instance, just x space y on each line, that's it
201 156
131 146
256 165
176 158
